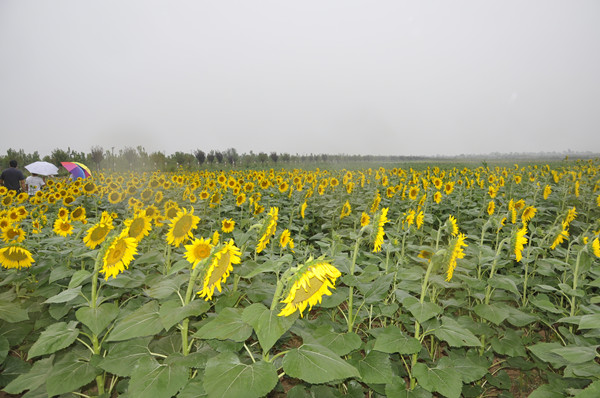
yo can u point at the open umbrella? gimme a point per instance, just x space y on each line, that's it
42 168
77 170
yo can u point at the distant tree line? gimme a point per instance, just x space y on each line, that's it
139 159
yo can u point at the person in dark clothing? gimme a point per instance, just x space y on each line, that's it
13 178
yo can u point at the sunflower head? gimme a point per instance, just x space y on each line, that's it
15 256
198 250
221 264
181 227
308 285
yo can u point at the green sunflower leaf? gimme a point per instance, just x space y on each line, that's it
151 379
145 321
391 340
226 377
123 357
317 364
375 368
31 380
56 337
456 335
268 326
12 312
227 325
73 371
98 319
171 312
446 381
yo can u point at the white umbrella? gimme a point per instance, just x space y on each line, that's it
42 168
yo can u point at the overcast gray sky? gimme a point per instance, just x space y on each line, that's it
354 77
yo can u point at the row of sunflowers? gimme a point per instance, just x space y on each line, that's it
386 281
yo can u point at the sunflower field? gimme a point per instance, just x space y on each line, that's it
400 282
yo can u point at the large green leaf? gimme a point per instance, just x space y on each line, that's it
391 339
4 347
73 371
374 368
64 296
12 312
456 335
56 337
123 357
98 319
226 377
446 381
317 364
79 277
155 380
164 286
268 326
471 366
576 354
144 321
340 343
491 312
227 325
172 311
591 391
591 321
36 376
545 352
423 311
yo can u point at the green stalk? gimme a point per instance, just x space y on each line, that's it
94 305
575 281
188 297
351 317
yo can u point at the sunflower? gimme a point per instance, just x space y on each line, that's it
596 247
448 187
7 200
215 238
119 255
138 226
62 227
158 197
312 282
285 239
547 191
181 227
240 200
68 200
376 201
98 232
491 207
78 214
419 219
452 226
528 214
172 211
346 209
13 234
379 219
63 213
571 215
197 251
303 209
15 257
413 192
560 238
227 225
437 197
519 241
457 252
219 269
268 229
152 212
114 197
364 219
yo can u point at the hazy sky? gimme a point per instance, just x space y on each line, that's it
355 77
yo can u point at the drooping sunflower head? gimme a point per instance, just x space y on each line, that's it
364 219
181 227
346 209
560 235
528 214
519 241
456 251
311 282
379 220
437 197
219 269
491 207
452 226
15 256
118 255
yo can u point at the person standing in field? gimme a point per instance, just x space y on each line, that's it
13 178
34 183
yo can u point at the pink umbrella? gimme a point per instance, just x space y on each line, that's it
77 169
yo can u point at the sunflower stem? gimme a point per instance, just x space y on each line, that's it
185 345
350 318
